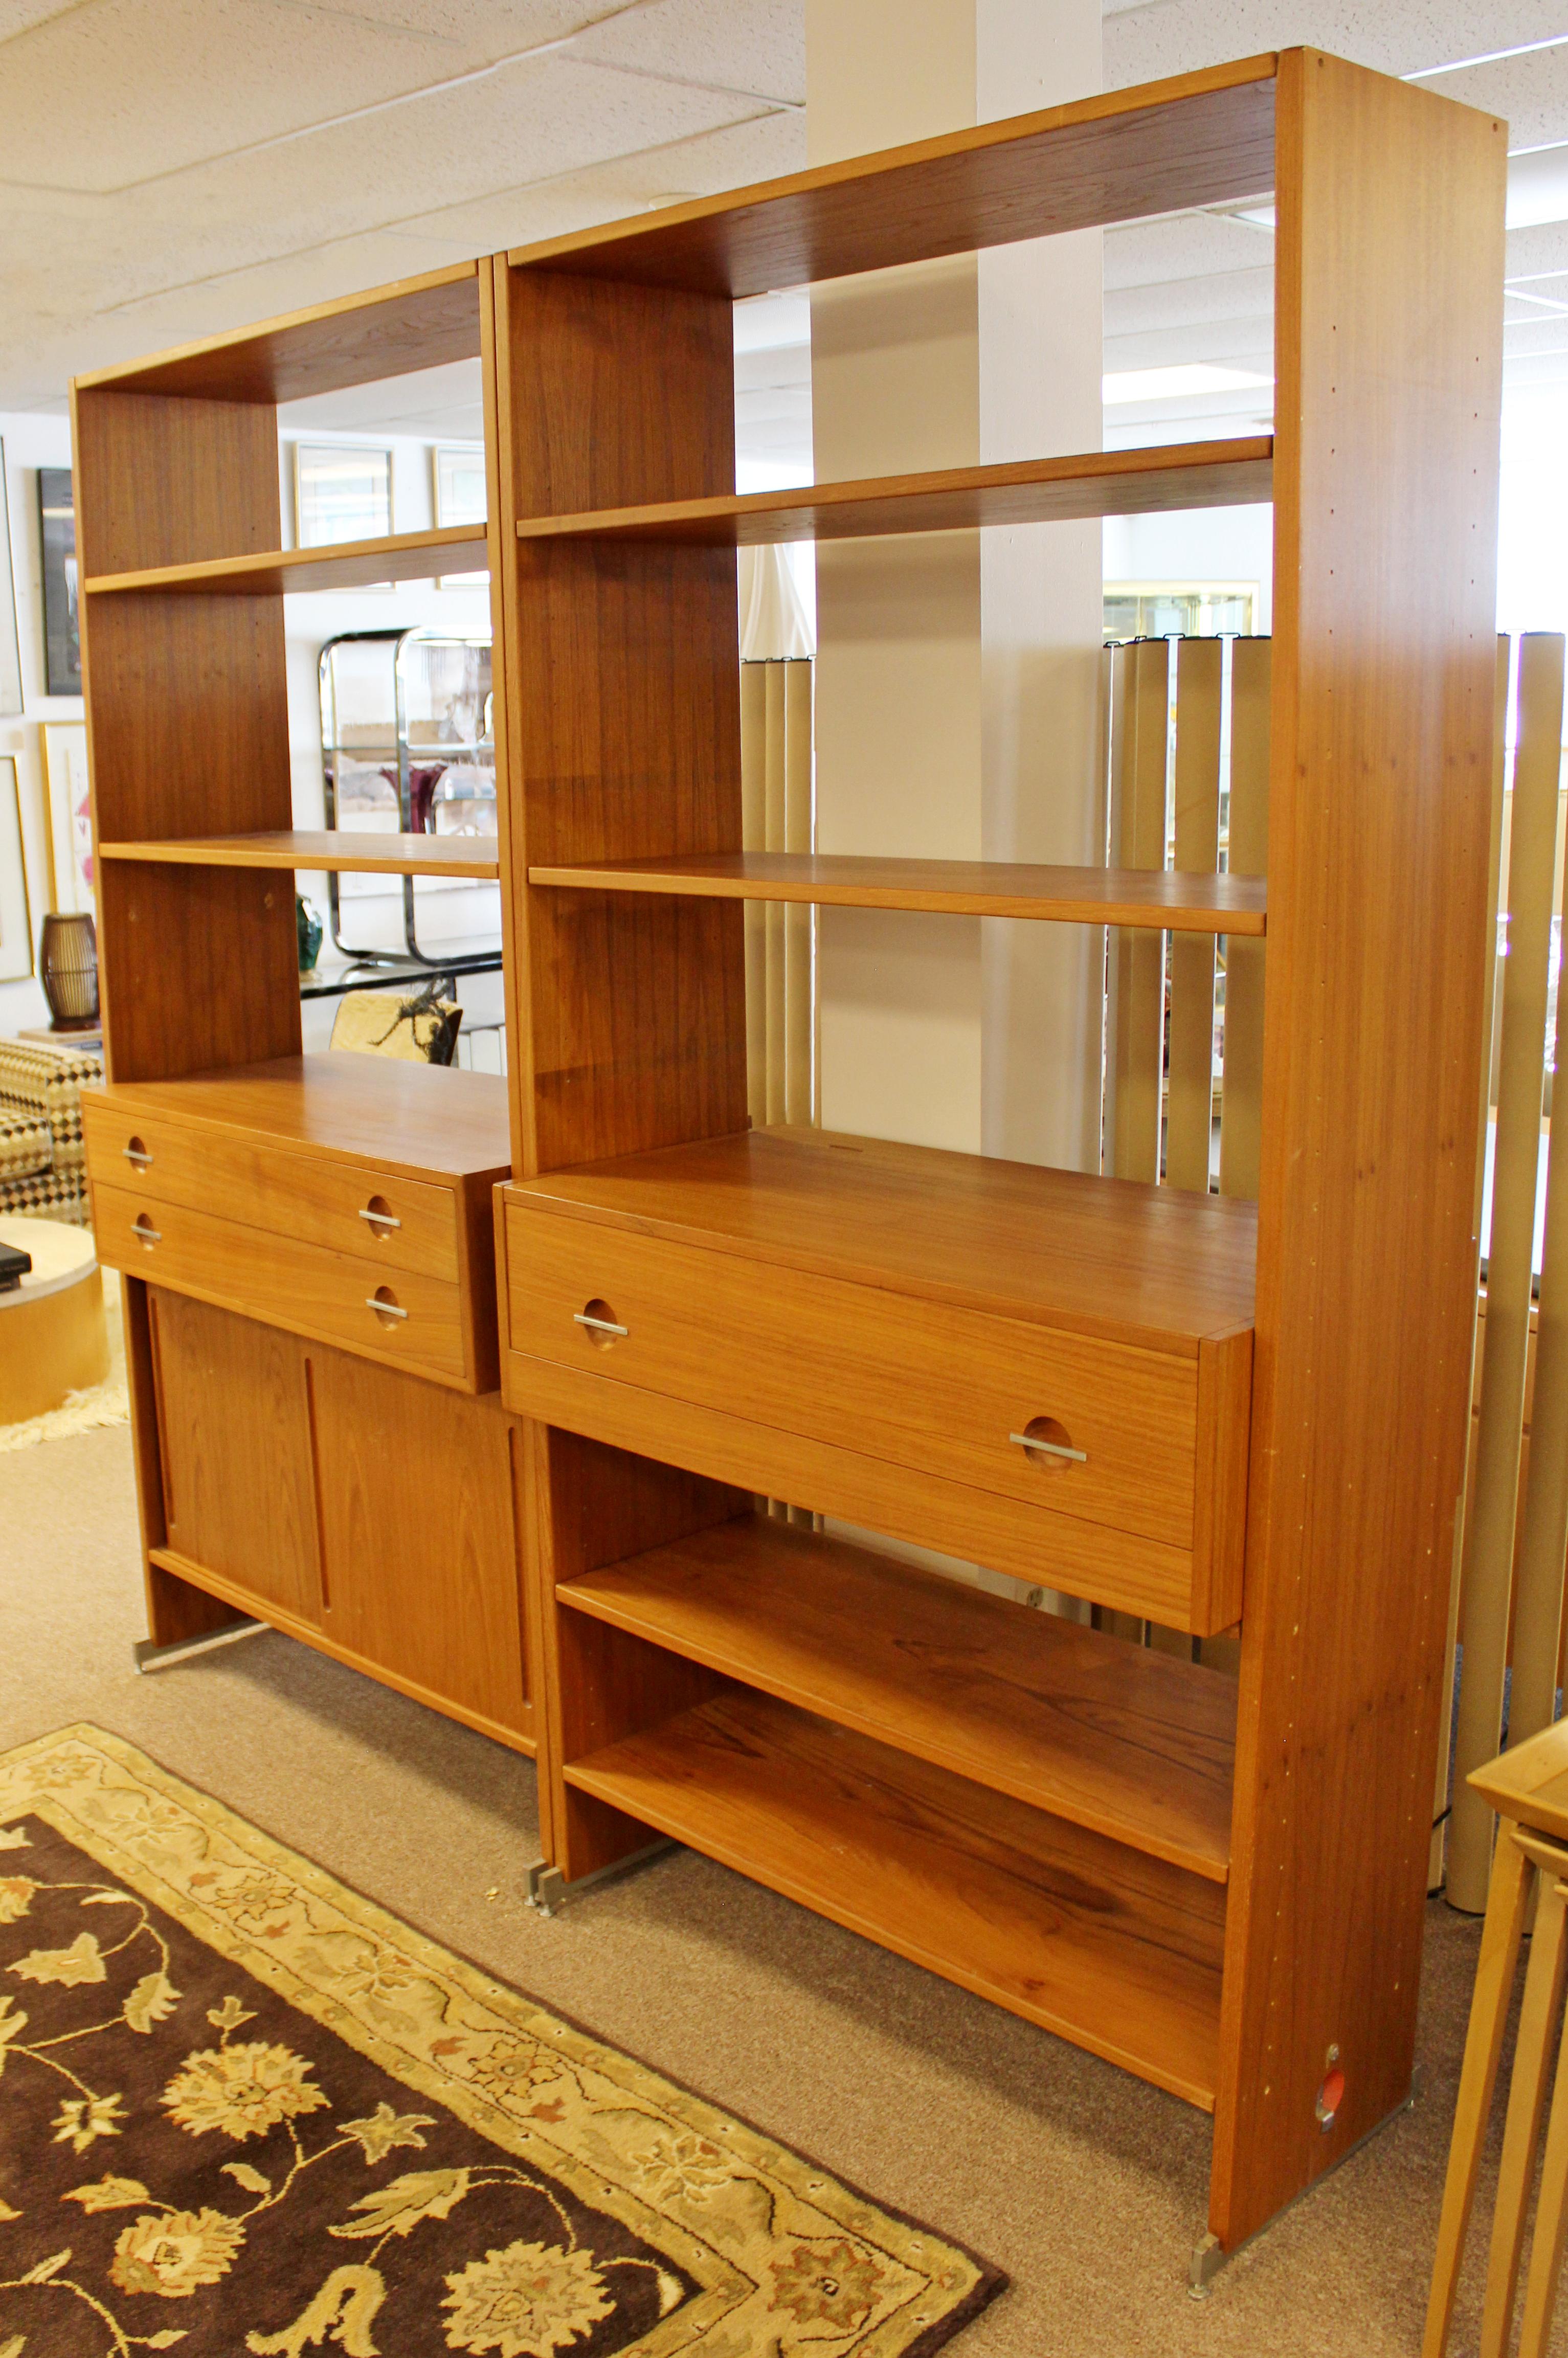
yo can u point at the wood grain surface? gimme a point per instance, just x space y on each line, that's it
1385 518
921 1384
413 323
978 888
242 1176
1195 139
347 565
949 499
624 704
1114 1950
1132 1744
332 848
1152 1267
414 1119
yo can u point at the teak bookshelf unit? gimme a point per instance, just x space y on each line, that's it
306 1241
1171 1404
1197 1411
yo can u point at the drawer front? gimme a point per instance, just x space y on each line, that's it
933 1387
414 1224
399 1317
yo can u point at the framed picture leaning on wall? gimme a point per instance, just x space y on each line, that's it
15 909
10 650
62 633
71 815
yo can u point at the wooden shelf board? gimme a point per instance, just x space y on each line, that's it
1152 1266
1194 139
1131 1744
414 1119
952 499
1085 896
350 564
413 323
329 847
1117 1952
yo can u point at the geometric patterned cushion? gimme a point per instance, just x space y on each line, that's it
27 1145
48 1082
47 1197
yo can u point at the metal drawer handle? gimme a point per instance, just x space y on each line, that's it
383 1309
142 1226
598 1325
380 1219
136 1155
1051 1448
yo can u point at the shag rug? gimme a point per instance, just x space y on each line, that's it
243 2110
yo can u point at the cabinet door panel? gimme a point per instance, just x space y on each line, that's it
418 1538
235 1433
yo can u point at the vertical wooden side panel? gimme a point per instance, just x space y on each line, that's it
198 966
1245 962
626 712
1388 317
1189 1115
800 924
1139 955
500 514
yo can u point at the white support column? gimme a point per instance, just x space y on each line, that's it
957 681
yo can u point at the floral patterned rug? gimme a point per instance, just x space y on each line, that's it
242 2110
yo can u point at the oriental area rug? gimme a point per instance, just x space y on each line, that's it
243 2110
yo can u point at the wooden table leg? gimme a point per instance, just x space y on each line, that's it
1526 2103
1551 2224
1488 2016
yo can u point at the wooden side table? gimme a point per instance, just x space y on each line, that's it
1529 1789
53 1336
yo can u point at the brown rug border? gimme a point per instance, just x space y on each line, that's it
991 2280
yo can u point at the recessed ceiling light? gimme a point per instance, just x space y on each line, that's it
1177 384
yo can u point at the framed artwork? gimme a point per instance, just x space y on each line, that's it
15 909
71 815
460 498
341 492
10 650
62 631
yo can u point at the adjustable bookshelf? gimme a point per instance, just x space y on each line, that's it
1180 1407
306 1241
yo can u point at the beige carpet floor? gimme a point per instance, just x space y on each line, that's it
1086 2187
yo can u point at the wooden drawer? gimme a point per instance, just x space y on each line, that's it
251 1180
400 1317
1146 1516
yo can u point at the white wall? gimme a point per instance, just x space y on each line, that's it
1196 544
30 443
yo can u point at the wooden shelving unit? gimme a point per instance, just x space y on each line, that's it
1204 1413
1180 1408
1029 491
306 1241
964 888
367 855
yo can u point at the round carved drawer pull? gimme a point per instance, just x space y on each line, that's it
144 1231
384 1304
599 1323
380 1215
136 1155
1044 1438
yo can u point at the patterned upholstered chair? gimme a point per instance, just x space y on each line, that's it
43 1168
